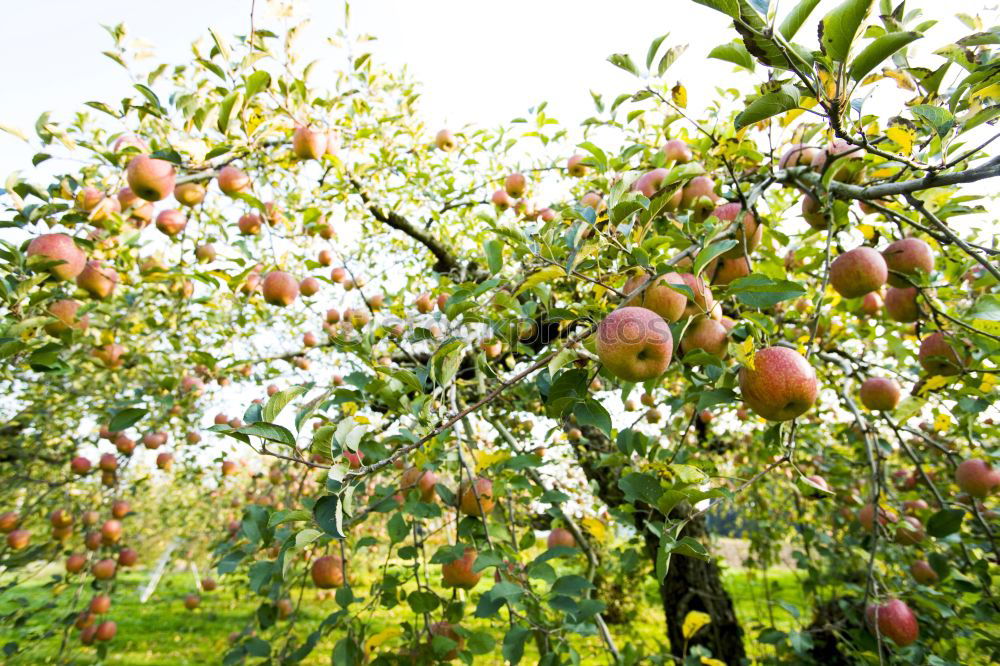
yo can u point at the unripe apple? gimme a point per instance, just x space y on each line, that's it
111 531
880 394
171 222
424 303
18 539
871 303
781 385
233 180
938 357
858 272
976 477
100 604
309 286
907 259
866 516
64 310
901 304
910 531
124 444
726 270
308 144
104 569
812 212
846 160
798 154
228 468
445 140
190 194
280 288
467 495
285 608
923 573
502 200
677 151
61 518
561 537
97 280
249 224
75 563
747 229
424 480
106 631
459 573
446 630
61 248
706 334
634 344
575 166
894 620
515 184
327 572
150 178
698 187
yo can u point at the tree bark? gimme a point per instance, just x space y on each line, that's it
690 584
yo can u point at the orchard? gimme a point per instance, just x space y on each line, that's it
405 394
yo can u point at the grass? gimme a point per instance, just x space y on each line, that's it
163 633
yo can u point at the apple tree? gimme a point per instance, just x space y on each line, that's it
784 306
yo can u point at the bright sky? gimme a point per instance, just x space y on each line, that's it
481 63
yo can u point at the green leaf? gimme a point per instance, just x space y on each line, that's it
150 97
600 159
623 61
126 418
722 396
653 48
593 413
879 50
940 119
494 254
269 431
287 516
642 487
691 548
669 58
280 400
329 515
256 82
760 291
733 52
571 585
513 644
945 522
225 109
711 252
730 8
796 18
768 105
839 28
397 528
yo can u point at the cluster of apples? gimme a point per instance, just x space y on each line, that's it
635 342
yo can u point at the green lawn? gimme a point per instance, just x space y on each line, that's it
162 633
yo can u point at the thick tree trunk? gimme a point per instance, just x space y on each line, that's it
690 584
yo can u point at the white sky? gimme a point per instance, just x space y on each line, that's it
481 63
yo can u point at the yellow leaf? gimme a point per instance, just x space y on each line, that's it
544 275
680 95
745 353
596 528
989 382
989 92
349 408
694 621
867 230
381 637
934 383
903 135
909 408
942 421
486 459
987 325
362 419
708 661
902 79
804 103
